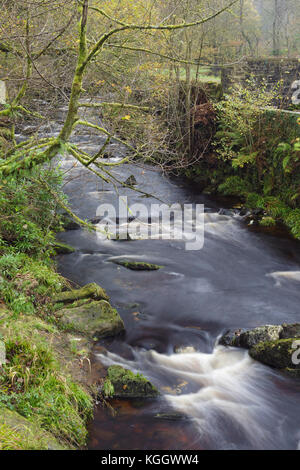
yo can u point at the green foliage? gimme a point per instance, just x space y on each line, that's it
234 186
267 222
108 388
28 211
32 384
239 115
25 282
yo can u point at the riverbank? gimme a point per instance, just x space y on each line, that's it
254 157
46 392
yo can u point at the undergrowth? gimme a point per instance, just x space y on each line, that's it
34 382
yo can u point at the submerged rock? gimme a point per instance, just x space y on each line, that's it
123 383
89 291
248 338
96 318
280 354
137 265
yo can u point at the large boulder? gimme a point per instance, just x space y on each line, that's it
96 318
281 354
248 338
90 291
123 383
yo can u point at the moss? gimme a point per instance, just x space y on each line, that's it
96 318
90 291
42 380
124 383
277 354
137 265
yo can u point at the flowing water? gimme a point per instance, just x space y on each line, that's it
211 397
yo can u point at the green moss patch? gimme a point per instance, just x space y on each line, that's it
96 318
137 265
90 291
123 383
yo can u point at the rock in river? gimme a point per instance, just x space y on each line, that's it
281 354
123 383
248 338
136 265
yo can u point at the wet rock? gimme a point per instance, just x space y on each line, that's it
248 338
227 212
96 318
137 265
123 383
184 349
89 291
278 354
131 181
63 248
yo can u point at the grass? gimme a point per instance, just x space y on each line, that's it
44 400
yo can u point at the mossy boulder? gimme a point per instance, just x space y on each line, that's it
18 433
63 248
248 338
137 265
89 291
123 383
279 354
96 318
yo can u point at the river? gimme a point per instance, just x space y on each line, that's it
211 397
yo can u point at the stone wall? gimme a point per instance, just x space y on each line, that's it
271 70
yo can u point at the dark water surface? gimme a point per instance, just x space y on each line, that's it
239 279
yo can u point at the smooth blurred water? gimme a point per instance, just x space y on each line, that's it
239 279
